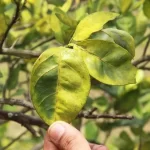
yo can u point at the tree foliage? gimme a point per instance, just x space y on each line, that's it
53 52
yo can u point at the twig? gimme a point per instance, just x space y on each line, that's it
22 54
140 142
142 40
146 46
144 68
22 119
13 21
108 116
43 42
14 140
141 60
17 102
90 112
31 130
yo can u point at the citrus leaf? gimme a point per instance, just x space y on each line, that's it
91 135
127 23
3 25
125 4
60 84
1 75
146 8
67 5
108 62
56 28
64 18
13 77
127 102
123 39
92 23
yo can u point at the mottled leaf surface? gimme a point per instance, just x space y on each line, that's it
122 38
92 23
60 84
108 62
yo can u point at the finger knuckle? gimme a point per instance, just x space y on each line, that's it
69 142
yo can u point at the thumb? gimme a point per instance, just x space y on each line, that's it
67 137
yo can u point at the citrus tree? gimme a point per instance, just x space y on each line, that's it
85 62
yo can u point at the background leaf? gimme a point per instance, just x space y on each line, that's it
63 17
146 7
1 75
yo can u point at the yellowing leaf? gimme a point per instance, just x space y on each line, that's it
67 5
92 23
56 27
60 84
122 38
108 62
31 1
125 4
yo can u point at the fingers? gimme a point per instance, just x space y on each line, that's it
97 147
48 145
67 137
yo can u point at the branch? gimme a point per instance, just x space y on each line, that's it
141 60
43 42
22 119
108 116
17 102
22 54
146 46
13 21
145 68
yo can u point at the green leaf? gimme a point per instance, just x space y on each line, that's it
1 75
62 32
91 135
108 62
3 25
92 23
124 142
56 2
127 23
123 39
64 18
146 145
127 102
56 27
13 77
124 5
60 84
146 8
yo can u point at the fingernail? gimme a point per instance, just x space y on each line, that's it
56 131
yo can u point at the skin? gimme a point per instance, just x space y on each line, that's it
62 136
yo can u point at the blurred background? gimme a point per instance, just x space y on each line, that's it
31 34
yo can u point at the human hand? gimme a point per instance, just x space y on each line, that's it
62 136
